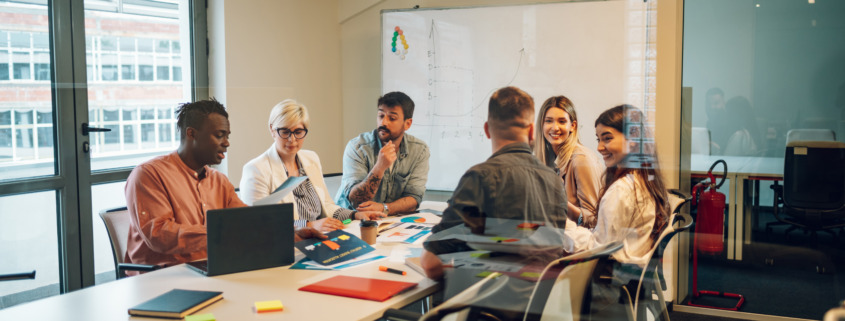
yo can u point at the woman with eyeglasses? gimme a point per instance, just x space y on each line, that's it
312 204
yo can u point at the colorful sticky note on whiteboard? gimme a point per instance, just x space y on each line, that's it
268 306
200 317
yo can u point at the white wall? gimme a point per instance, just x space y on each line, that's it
264 51
326 54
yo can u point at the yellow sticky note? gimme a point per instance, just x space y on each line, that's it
200 317
484 274
269 306
530 274
343 237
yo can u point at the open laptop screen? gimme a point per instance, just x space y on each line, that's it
250 238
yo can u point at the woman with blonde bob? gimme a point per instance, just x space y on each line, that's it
560 148
312 204
632 204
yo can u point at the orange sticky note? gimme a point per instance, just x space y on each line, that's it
269 306
331 245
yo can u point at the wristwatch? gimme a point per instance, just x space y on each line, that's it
386 211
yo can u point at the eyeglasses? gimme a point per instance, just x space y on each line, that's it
285 133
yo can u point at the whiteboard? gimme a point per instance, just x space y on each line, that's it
457 57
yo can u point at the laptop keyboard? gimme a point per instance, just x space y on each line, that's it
202 265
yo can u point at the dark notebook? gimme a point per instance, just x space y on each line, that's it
176 304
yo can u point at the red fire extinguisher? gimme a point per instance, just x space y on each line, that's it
710 222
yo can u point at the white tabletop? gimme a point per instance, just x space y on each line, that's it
111 301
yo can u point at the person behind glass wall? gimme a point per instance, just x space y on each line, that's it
717 120
559 147
511 185
744 139
632 205
385 169
312 204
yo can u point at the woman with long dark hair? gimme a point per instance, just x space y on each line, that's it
632 203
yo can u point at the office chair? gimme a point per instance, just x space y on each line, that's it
651 281
569 296
332 181
458 304
808 134
813 191
700 142
117 226
565 296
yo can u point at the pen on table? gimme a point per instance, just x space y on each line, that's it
387 269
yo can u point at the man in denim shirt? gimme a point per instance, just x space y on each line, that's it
386 169
512 184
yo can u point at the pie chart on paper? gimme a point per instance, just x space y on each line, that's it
413 219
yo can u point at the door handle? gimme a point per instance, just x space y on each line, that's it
87 129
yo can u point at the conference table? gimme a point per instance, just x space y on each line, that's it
740 170
110 301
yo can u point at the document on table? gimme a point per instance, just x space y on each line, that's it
282 191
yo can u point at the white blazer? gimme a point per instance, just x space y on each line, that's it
263 174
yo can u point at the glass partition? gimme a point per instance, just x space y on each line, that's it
765 76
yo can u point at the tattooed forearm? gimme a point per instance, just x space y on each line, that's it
365 190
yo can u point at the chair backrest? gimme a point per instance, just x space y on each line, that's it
462 301
332 181
568 294
814 175
655 263
117 226
677 200
700 141
810 134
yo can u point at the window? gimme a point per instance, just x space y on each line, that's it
145 72
163 73
21 71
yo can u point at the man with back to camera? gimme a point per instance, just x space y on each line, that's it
168 196
511 184
386 169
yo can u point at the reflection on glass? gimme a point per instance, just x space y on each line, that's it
26 124
135 58
29 241
763 77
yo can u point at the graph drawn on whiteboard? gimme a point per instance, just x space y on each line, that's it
458 57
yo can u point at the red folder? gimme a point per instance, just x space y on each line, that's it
360 288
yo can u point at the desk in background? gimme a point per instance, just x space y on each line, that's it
110 301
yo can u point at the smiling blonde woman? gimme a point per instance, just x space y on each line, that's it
559 147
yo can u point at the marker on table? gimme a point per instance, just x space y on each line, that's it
387 269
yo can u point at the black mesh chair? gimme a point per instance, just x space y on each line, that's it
812 197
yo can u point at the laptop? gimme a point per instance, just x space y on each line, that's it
247 238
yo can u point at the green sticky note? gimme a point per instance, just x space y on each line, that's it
530 274
347 221
480 255
200 317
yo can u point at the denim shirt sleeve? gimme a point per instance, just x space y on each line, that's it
468 200
355 170
418 176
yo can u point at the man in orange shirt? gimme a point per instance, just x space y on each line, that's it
168 196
